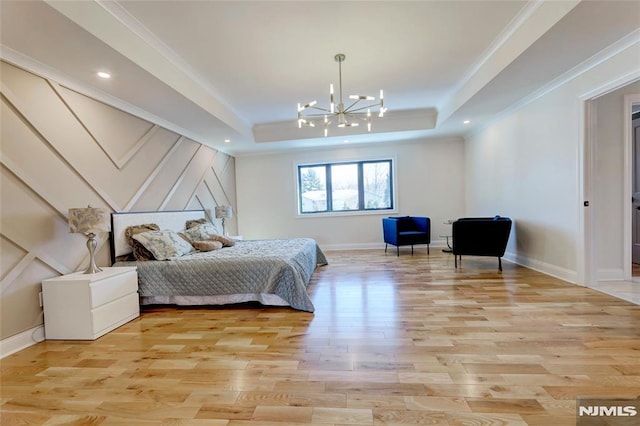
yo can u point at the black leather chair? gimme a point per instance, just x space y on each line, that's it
406 231
481 236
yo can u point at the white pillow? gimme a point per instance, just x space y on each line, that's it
164 244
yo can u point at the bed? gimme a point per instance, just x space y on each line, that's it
272 272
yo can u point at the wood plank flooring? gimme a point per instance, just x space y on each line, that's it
394 341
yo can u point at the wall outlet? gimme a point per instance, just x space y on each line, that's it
40 299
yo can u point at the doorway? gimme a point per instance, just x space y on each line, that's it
635 213
608 185
610 179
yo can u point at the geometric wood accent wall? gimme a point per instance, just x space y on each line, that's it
61 149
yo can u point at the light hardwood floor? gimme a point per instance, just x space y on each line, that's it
394 340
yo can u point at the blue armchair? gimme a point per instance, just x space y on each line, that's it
406 231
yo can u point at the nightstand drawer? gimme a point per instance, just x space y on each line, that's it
115 313
115 287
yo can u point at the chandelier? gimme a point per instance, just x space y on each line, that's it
358 110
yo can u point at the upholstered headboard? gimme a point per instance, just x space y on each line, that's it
174 220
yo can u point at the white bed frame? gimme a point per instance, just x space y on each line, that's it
173 220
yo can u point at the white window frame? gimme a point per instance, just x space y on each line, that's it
393 175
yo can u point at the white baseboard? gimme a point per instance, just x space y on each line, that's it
356 246
374 246
20 341
546 268
614 274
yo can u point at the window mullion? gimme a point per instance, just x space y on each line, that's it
361 186
329 188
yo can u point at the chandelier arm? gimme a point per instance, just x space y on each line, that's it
320 109
348 109
351 111
319 114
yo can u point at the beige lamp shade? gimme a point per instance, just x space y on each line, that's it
224 212
89 220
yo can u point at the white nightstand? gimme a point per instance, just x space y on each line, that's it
82 306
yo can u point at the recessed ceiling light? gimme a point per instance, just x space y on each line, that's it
103 74
346 141
466 121
227 140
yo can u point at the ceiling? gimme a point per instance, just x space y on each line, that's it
216 70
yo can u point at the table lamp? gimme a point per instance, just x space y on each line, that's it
224 212
89 221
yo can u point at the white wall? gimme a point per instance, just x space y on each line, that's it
429 182
527 163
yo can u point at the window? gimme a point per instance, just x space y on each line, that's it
345 187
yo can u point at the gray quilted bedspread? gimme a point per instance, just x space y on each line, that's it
282 267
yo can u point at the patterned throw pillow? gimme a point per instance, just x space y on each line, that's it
206 231
207 245
164 244
139 251
191 223
200 232
195 222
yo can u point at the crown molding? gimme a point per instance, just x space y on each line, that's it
534 20
602 56
47 72
115 9
112 25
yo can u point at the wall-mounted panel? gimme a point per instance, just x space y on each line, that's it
61 149
166 175
20 304
119 134
184 187
30 157
12 254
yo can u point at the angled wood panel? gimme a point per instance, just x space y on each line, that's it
61 149
120 135
12 255
34 225
23 294
185 187
166 176
29 157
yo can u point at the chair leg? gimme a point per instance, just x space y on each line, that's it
500 263
455 261
385 247
411 249
427 249
398 250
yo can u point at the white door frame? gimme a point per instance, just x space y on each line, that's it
629 100
586 262
584 256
